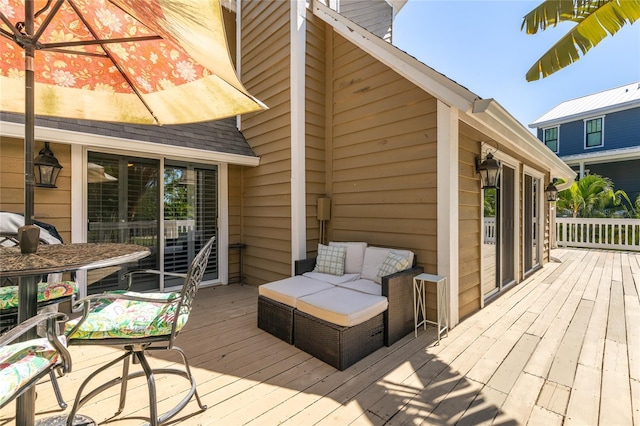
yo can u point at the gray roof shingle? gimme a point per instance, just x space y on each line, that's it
218 136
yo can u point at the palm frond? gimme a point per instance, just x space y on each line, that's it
590 30
550 12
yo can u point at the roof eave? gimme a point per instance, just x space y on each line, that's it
512 134
607 156
585 114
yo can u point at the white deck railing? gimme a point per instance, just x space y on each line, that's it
489 230
619 234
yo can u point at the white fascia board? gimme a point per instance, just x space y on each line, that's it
585 114
431 81
230 4
493 119
16 130
609 156
397 5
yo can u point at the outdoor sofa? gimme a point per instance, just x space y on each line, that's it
344 304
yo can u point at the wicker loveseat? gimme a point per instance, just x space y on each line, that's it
342 315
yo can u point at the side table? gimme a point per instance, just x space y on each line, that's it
420 303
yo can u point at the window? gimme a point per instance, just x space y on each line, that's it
593 133
551 138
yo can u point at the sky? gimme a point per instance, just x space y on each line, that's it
479 45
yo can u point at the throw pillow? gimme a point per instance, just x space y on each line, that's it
355 256
330 260
392 264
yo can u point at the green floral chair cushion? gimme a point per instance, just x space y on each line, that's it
22 362
129 319
46 292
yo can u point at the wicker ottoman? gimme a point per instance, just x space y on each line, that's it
275 318
337 345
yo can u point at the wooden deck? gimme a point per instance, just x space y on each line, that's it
563 347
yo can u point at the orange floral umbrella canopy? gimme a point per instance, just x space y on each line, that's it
149 61
135 61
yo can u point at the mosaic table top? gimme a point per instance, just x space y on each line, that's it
67 257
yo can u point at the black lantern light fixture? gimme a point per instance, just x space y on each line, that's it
489 171
46 168
551 191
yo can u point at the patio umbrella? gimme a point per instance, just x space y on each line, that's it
151 61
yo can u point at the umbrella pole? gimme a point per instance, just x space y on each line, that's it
29 120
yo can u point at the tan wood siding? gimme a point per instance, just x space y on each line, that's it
266 190
470 225
383 158
234 200
51 205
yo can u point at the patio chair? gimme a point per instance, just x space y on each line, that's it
50 293
51 290
139 322
22 364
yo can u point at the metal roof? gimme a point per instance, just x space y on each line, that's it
620 98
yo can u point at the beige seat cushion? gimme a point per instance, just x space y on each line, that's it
363 286
289 290
342 306
332 279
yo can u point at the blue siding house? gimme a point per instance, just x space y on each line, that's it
598 134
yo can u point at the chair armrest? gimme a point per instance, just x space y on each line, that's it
51 319
304 265
85 302
398 318
129 275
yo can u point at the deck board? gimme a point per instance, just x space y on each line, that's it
562 347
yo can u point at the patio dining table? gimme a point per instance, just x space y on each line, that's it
51 259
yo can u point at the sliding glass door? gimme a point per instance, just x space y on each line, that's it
498 248
190 217
531 224
129 201
122 207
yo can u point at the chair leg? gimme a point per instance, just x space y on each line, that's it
189 376
150 372
151 384
123 385
56 389
80 401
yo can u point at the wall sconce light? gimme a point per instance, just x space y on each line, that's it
551 191
46 168
489 170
